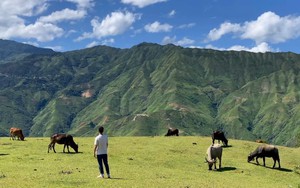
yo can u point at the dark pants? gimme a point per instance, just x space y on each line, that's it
103 158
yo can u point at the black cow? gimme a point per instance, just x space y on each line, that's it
219 135
65 139
265 151
172 132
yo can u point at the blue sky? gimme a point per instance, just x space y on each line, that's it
65 25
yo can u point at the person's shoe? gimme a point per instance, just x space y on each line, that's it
108 175
100 176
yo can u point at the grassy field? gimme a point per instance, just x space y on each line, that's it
142 162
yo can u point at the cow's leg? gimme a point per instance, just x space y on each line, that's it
220 163
264 160
257 160
68 148
213 141
49 147
278 159
274 162
53 146
64 148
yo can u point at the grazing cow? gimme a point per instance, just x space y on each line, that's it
219 135
65 139
265 151
213 152
172 132
16 132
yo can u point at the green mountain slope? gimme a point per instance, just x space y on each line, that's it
148 88
11 51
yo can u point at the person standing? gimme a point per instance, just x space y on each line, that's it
100 152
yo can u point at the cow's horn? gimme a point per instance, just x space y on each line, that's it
206 161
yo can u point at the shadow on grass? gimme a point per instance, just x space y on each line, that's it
228 146
115 178
225 169
67 153
2 154
276 168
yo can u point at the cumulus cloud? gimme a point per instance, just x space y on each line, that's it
172 40
114 24
22 8
225 28
63 15
156 27
268 27
14 12
142 3
262 47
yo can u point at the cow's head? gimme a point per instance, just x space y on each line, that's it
210 163
75 148
22 137
226 142
250 158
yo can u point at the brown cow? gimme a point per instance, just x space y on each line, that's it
16 132
172 132
65 139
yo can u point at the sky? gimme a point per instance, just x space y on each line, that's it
66 25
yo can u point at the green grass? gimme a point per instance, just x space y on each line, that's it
142 162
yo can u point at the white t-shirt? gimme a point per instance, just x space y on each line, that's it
101 142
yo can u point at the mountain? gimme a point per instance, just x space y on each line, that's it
143 90
11 51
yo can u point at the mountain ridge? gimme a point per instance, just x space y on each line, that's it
145 89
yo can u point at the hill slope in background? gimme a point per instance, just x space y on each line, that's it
11 51
148 88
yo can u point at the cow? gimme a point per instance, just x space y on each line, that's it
213 152
263 151
219 135
16 132
65 139
172 132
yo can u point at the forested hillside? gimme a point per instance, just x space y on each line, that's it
148 88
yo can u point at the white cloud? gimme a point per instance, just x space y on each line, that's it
15 19
83 4
225 28
169 40
55 48
22 8
156 27
142 3
40 31
63 15
172 40
189 25
114 24
262 47
185 41
92 44
104 42
268 27
172 13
